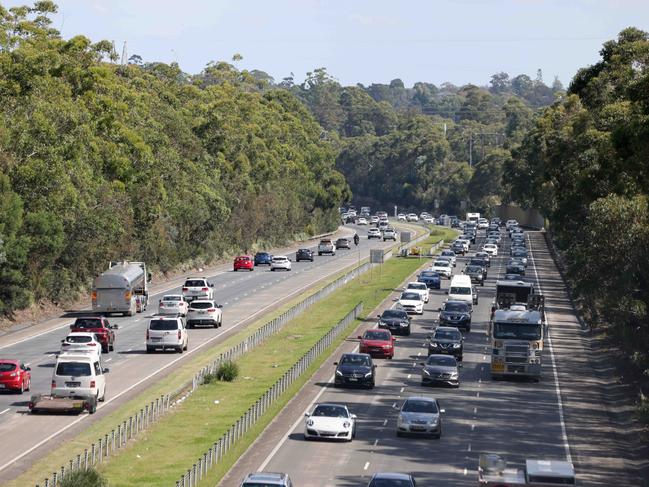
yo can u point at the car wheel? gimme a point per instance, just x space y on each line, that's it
252 269
149 349
186 344
273 270
408 331
104 349
111 347
22 387
179 349
93 408
103 396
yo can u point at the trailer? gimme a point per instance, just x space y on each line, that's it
123 288
50 404
493 472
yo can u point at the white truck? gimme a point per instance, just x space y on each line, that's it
493 472
123 288
473 217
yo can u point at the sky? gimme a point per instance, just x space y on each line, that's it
361 41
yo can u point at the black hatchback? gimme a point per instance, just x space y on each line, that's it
263 258
304 254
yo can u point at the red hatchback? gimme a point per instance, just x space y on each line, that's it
14 376
377 342
244 262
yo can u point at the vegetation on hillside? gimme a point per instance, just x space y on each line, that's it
100 161
585 165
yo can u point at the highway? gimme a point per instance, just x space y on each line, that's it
245 296
556 418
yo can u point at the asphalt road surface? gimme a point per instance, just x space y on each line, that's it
245 296
564 416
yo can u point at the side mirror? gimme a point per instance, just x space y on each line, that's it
422 363
378 316
374 366
442 411
353 416
219 306
335 363
306 415
28 369
360 337
210 284
440 308
394 339
429 337
62 340
72 327
446 292
106 370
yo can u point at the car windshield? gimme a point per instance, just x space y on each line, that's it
7 367
195 283
394 313
441 360
172 298
78 339
163 325
448 253
519 253
447 335
75 369
261 254
411 296
457 307
416 285
460 290
520 331
474 268
279 259
376 335
441 263
429 274
87 323
355 360
303 251
419 406
390 483
330 411
201 305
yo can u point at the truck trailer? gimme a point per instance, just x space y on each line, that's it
123 288
493 472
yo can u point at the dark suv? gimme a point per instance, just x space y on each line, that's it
446 340
100 327
355 369
455 313
482 263
263 258
304 254
395 320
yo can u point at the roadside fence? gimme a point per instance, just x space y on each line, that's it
117 438
228 440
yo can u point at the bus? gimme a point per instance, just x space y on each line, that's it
516 335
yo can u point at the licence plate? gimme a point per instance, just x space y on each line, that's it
73 384
202 312
155 339
418 428
353 379
498 367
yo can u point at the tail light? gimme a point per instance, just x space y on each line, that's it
94 296
127 296
211 310
53 384
92 344
185 289
162 305
179 334
92 384
204 289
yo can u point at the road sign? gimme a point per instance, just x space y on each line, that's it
376 256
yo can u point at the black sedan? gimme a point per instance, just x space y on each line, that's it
395 320
263 258
515 268
440 369
475 272
355 369
446 340
455 313
304 254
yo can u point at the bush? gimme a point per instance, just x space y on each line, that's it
209 378
227 371
84 478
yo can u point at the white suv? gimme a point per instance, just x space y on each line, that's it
166 332
421 288
204 312
198 288
172 304
389 234
77 375
412 217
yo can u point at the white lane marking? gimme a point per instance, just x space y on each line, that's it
376 442
484 357
418 354
409 375
475 410
557 388
469 447
465 471
414 364
51 355
477 394
479 381
367 465
472 427
28 364
2 412
394 405
385 422
402 389
108 359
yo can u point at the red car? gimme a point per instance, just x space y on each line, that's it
244 262
378 342
100 326
15 376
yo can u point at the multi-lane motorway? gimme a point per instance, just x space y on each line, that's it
560 417
245 296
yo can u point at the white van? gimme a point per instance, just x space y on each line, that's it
461 289
79 376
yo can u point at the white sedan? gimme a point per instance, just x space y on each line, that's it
491 249
280 262
411 302
421 288
412 217
81 343
401 217
361 221
172 304
443 267
333 421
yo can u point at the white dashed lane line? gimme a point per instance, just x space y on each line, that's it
6 410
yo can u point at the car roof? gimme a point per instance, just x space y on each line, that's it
391 476
203 301
172 296
356 354
266 477
9 361
421 398
446 328
195 278
455 301
81 333
74 357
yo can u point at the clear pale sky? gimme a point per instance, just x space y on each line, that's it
362 41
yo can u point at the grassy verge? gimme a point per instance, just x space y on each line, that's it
176 442
61 454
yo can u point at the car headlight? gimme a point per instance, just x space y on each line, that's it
346 424
426 372
433 344
369 374
404 323
309 422
454 375
386 346
456 345
338 372
403 420
434 421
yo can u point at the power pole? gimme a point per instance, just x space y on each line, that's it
470 149
124 54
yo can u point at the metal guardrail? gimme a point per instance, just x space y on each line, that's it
220 448
118 437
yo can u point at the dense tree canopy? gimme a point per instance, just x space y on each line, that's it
100 161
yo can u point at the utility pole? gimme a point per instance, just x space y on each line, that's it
470 149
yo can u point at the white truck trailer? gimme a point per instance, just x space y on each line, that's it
493 472
123 288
